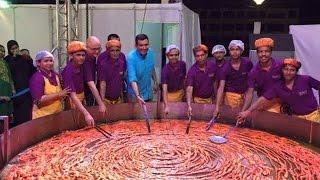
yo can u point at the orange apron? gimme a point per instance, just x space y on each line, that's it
314 116
176 96
272 106
52 108
202 100
117 101
233 100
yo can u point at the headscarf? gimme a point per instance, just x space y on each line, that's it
170 47
264 42
41 55
236 43
293 62
76 46
112 43
219 48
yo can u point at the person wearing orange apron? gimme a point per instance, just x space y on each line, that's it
173 76
112 70
200 79
264 75
45 87
233 78
294 90
73 78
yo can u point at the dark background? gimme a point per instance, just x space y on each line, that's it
224 20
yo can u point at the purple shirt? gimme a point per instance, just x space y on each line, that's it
73 77
236 80
220 66
202 81
174 75
89 68
113 74
36 83
103 57
301 98
262 80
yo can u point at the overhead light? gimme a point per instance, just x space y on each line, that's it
4 4
258 2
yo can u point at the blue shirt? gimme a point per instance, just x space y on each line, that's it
140 71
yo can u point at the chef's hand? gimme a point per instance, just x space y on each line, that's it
64 93
242 116
140 100
102 108
189 112
166 110
155 87
89 119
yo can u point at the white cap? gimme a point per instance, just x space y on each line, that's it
237 43
170 47
219 48
40 55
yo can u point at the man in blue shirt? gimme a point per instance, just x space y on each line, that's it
140 64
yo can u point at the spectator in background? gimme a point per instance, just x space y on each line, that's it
6 86
26 54
21 71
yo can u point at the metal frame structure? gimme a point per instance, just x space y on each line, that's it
67 28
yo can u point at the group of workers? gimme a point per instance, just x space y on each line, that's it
94 78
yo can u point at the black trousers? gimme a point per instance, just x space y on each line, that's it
22 109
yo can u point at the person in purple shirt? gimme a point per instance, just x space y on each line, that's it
294 90
104 56
200 78
173 77
233 78
112 73
218 53
264 75
73 78
93 46
45 87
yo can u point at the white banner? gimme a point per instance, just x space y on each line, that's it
306 39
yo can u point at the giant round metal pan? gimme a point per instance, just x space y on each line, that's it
32 132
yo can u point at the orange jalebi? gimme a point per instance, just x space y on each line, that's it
166 153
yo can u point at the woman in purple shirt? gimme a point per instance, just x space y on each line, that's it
233 78
294 90
45 87
173 77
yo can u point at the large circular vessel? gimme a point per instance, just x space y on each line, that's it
167 152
